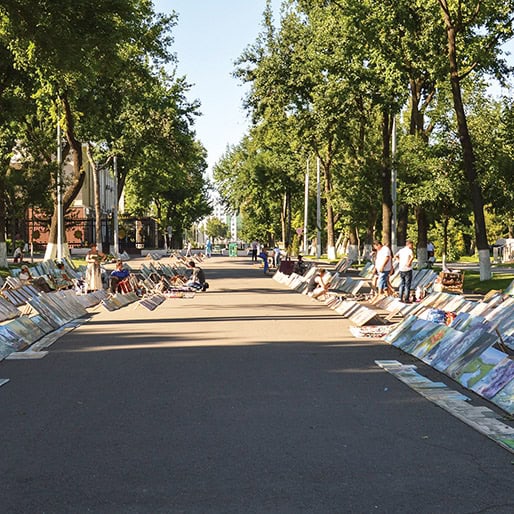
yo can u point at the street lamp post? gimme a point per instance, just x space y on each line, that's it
115 209
318 208
394 192
306 210
60 214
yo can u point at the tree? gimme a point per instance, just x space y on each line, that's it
64 47
216 229
480 26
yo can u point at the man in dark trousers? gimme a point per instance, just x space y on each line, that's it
197 279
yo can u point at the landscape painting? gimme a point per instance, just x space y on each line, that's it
479 367
505 398
429 342
449 340
496 379
484 341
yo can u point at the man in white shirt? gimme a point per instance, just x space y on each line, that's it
382 265
405 257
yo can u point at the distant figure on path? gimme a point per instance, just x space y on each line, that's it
264 256
255 244
93 271
18 254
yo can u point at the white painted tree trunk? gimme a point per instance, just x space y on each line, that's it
51 251
353 252
3 255
331 253
422 256
366 251
484 260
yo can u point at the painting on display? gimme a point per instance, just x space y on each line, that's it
447 354
481 343
430 341
479 367
398 329
505 398
495 380
409 338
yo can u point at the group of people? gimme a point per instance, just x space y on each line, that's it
384 264
58 280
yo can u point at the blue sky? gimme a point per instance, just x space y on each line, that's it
210 35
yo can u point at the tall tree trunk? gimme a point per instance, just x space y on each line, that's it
3 244
283 219
327 175
387 201
403 221
77 180
421 220
445 241
96 194
467 148
353 246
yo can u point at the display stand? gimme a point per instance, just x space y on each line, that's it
450 282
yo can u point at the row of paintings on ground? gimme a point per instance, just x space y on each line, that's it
48 312
118 300
473 349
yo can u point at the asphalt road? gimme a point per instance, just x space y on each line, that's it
249 398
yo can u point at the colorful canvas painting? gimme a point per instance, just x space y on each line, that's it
450 338
505 398
479 367
449 353
406 335
419 332
398 329
427 343
43 325
496 379
481 342
5 350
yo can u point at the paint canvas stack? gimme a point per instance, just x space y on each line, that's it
473 347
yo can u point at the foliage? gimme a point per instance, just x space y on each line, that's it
216 229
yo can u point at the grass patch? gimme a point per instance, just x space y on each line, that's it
500 281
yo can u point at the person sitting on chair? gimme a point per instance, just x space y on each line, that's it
61 278
300 266
118 276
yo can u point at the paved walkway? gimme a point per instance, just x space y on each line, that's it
247 398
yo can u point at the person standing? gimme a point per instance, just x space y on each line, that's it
264 256
208 248
383 265
276 256
430 254
255 244
93 271
405 257
18 254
